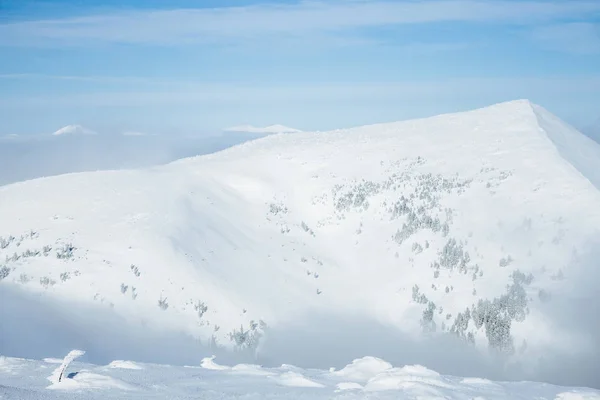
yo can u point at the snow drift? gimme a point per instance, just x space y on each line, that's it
23 379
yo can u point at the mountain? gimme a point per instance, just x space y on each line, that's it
271 129
74 130
481 226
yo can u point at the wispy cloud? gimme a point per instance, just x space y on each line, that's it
81 78
185 93
185 26
576 38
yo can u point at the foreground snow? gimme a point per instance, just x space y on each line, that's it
368 377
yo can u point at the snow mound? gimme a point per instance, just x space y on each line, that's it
208 363
73 130
415 379
11 366
251 369
294 379
576 395
271 129
363 369
476 381
122 364
88 380
348 386
52 360
166 381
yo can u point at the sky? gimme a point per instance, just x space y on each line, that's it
196 67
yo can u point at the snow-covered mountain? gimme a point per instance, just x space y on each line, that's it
479 225
271 129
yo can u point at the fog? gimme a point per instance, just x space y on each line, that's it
23 158
33 327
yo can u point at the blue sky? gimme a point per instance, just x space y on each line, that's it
194 67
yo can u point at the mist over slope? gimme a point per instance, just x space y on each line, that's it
593 131
454 241
69 151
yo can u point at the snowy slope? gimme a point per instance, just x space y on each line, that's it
480 224
367 377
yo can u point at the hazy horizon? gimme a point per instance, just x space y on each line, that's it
184 67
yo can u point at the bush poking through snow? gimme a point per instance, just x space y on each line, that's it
201 308
46 282
65 252
4 272
135 270
248 339
5 242
46 250
162 303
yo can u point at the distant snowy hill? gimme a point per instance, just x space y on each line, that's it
74 130
481 226
266 130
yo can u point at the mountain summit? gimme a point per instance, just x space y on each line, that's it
475 225
73 130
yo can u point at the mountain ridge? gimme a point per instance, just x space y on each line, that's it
429 226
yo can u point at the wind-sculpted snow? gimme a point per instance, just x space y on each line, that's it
377 379
474 229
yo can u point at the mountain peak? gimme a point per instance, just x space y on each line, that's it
73 130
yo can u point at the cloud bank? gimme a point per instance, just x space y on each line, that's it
26 157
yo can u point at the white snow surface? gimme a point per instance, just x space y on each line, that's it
124 364
74 130
271 129
24 379
402 226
